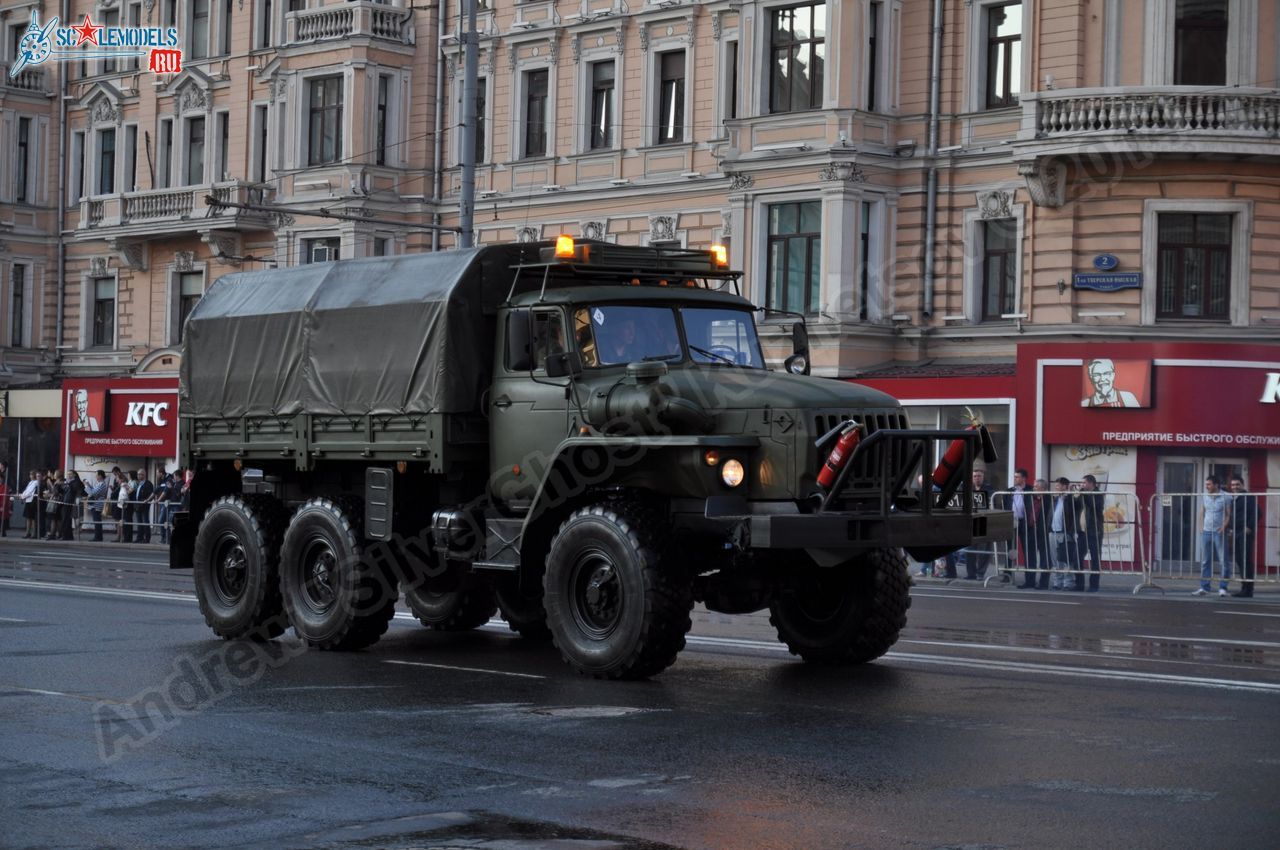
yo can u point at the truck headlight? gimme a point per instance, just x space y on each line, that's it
732 473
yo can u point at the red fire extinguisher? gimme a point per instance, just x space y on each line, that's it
954 455
850 436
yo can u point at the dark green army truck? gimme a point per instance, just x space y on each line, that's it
584 437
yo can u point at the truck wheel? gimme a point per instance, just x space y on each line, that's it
335 598
849 614
616 608
524 614
237 555
454 602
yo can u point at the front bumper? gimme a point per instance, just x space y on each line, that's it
854 531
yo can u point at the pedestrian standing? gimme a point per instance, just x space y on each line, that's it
143 496
1065 527
1091 501
98 493
1215 512
1242 531
1023 516
52 501
1040 523
30 499
123 515
977 556
74 493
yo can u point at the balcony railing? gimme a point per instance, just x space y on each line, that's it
373 20
28 79
1190 113
169 210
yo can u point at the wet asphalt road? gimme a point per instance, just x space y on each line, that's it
1003 718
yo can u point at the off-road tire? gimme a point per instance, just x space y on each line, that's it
525 614
467 604
636 625
248 607
849 614
346 604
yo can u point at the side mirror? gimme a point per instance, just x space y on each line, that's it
519 341
564 364
798 362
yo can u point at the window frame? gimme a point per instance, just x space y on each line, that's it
1005 48
130 172
1239 270
817 88
976 92
104 171
972 292
95 319
188 125
1219 53
183 310
680 97
309 243
1180 288
813 282
22 177
1008 271
602 113
326 112
197 47
382 117
19 303
525 127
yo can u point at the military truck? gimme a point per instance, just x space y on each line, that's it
581 435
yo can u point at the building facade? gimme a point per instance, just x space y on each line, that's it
930 182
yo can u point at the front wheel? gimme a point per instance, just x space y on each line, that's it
849 614
335 598
617 608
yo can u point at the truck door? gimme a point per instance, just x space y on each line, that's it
528 412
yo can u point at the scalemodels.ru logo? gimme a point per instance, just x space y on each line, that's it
65 44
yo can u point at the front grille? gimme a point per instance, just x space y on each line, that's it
863 482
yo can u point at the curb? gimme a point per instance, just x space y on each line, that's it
87 544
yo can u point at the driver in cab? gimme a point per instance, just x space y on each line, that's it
620 344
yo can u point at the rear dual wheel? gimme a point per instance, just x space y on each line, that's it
335 597
236 567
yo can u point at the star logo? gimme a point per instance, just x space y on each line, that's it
87 32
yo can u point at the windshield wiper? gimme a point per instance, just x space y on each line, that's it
661 356
720 357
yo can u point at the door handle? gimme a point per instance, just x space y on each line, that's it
502 402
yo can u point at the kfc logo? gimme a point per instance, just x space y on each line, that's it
145 413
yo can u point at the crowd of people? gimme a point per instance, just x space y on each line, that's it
1058 531
55 505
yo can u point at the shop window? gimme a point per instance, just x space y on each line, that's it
104 312
794 256
797 46
999 268
670 97
1200 43
1193 276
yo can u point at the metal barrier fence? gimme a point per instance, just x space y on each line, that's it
1247 550
1068 540
126 522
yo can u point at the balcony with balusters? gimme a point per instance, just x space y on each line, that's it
1231 122
33 80
377 21
163 212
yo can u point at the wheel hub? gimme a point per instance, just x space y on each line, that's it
231 573
319 574
596 595
602 593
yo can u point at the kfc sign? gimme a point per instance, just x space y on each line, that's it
144 413
121 417
1271 394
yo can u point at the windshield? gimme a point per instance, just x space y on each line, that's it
618 334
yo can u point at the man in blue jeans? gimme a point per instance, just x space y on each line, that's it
1215 507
